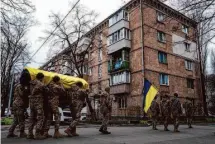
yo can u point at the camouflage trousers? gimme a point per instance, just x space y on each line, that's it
36 114
166 122
105 120
52 110
154 122
189 121
176 122
75 109
19 119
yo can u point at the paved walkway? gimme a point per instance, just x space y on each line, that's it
129 135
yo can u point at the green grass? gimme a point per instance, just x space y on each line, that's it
6 121
210 119
143 122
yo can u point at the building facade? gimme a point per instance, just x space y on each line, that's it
143 39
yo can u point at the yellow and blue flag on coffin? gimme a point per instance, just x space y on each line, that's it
149 93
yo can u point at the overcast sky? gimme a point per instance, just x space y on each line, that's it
44 8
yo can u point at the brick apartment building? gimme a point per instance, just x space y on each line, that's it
150 41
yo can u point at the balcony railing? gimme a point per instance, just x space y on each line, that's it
116 67
120 78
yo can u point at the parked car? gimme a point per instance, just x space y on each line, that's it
6 112
83 114
65 114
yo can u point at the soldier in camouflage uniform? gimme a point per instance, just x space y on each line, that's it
176 111
55 90
189 111
166 111
20 104
155 110
105 110
36 99
78 97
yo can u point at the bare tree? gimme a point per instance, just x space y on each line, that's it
70 37
15 23
203 12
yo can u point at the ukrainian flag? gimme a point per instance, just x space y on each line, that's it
149 93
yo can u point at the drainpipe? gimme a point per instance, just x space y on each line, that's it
142 43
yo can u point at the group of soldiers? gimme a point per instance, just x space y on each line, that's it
170 109
44 102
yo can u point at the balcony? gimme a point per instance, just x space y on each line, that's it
124 43
120 89
83 44
120 77
117 67
119 25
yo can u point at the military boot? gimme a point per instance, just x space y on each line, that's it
68 131
11 135
57 134
74 132
39 136
22 134
166 129
47 135
106 132
30 136
101 129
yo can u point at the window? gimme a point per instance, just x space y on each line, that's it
190 83
188 65
100 36
125 15
100 71
118 16
162 57
118 35
160 17
164 79
122 102
185 29
161 36
119 78
90 71
100 54
187 46
85 69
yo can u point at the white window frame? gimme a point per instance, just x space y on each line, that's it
160 16
100 54
185 29
123 33
99 71
187 46
163 36
188 65
90 69
167 84
123 102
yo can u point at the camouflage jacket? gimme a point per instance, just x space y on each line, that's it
55 90
176 107
105 103
165 108
37 89
20 98
155 108
188 108
77 94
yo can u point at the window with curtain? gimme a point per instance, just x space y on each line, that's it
164 79
162 57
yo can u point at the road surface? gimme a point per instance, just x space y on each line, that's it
128 135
